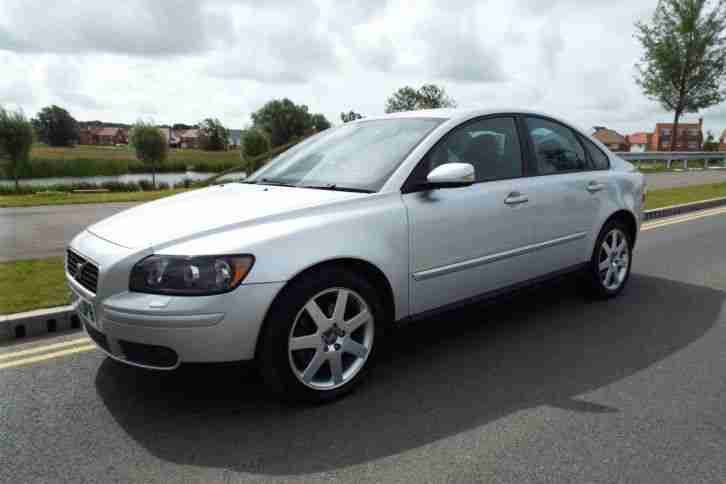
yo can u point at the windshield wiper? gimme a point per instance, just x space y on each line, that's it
333 186
270 181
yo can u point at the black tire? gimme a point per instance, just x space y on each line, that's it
595 286
273 355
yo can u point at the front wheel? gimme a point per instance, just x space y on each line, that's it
609 267
320 336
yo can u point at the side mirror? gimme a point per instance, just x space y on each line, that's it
451 175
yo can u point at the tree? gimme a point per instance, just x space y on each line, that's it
254 143
684 64
56 126
710 144
350 116
283 120
16 140
150 145
320 122
428 96
213 136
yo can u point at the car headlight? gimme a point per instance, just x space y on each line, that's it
190 276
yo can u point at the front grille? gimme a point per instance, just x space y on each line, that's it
99 338
88 277
149 355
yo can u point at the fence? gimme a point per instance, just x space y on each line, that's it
669 157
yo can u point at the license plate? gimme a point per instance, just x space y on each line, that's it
85 310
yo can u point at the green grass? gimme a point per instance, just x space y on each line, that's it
676 196
85 160
64 198
32 284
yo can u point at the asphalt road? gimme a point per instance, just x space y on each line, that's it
542 387
682 179
35 232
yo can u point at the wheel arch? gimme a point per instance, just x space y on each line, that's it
630 221
360 266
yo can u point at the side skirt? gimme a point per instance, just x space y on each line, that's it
493 295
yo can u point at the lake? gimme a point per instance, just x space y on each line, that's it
170 178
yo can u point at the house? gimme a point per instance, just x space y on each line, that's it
722 142
688 138
235 138
640 142
612 139
108 136
188 138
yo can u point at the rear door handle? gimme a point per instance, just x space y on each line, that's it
516 198
594 187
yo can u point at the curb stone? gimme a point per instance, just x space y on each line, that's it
38 322
61 319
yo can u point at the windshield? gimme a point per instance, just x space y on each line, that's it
359 156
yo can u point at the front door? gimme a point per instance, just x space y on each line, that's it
471 240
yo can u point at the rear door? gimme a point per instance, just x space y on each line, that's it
469 240
567 191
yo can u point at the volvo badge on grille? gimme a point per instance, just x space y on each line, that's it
79 270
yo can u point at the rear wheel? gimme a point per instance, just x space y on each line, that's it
320 336
609 267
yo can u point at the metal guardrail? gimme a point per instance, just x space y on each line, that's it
670 156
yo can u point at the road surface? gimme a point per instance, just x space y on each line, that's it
33 232
684 178
543 387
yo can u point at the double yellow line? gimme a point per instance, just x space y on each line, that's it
79 345
45 352
682 218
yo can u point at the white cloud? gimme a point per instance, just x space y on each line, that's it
184 60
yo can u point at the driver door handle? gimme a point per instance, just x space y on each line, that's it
594 187
516 198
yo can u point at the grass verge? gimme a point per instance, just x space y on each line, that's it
32 284
85 160
65 198
676 196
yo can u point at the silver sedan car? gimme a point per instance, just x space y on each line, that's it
304 265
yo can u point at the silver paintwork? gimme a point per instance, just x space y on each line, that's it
452 173
334 336
434 247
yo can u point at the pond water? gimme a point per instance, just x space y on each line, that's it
170 178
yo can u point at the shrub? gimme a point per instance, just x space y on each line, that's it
146 185
150 145
254 144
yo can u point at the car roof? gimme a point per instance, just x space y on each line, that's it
455 113
461 114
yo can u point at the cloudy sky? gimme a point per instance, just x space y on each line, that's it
183 60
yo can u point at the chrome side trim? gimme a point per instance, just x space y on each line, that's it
488 259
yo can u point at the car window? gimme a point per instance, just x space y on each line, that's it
556 147
360 155
491 146
598 159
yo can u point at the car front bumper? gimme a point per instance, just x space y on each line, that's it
161 332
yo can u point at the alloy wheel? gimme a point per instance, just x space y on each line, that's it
331 339
614 260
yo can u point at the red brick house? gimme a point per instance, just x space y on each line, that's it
108 136
688 138
722 142
612 139
640 142
188 138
